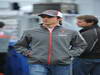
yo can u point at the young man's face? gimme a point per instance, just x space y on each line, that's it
50 20
82 23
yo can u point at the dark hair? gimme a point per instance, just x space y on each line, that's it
2 24
60 22
88 19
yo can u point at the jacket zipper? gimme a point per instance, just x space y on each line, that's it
50 48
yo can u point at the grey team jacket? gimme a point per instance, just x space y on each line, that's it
56 47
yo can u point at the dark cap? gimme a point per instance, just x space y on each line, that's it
51 13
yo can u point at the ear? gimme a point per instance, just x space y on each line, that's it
90 24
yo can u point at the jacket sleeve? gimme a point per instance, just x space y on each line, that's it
78 45
23 44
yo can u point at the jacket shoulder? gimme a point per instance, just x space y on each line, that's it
67 30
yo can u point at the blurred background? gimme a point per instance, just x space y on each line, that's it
20 15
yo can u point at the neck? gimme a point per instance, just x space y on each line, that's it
50 26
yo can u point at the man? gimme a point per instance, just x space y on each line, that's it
50 47
4 42
88 63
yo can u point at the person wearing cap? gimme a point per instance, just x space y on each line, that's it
4 42
50 47
88 63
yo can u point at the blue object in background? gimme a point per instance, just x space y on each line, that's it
16 64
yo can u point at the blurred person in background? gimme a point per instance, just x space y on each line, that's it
88 63
50 47
4 42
